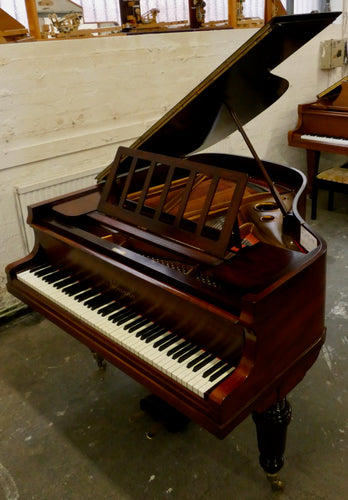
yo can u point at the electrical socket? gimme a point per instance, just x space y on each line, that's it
332 53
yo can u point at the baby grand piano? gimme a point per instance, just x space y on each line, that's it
190 271
322 126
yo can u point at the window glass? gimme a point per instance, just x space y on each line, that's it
98 11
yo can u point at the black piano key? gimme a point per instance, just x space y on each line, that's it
183 348
41 268
188 354
129 320
45 271
81 297
213 368
136 324
56 276
155 334
125 319
99 304
205 361
119 314
102 300
76 293
139 319
219 372
149 330
110 308
96 301
170 336
74 288
178 347
63 283
95 294
200 358
169 342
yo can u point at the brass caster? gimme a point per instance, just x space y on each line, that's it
151 434
276 483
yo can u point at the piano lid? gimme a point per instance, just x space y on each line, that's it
243 83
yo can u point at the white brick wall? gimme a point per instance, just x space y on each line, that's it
66 105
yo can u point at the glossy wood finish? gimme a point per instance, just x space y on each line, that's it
244 83
271 428
249 304
264 315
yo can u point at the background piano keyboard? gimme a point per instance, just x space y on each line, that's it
335 141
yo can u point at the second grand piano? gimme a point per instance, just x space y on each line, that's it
322 126
191 274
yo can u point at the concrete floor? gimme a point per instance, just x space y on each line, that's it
65 431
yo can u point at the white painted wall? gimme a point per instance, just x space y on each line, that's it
66 105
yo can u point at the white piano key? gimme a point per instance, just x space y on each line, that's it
335 141
209 384
144 348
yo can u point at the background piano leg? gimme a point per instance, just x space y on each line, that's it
313 158
271 427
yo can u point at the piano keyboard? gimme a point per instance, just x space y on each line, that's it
335 141
184 362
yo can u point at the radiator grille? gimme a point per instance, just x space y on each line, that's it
35 193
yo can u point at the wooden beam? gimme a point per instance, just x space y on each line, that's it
232 13
33 19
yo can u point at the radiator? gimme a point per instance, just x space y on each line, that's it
35 193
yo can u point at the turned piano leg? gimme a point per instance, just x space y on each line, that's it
271 428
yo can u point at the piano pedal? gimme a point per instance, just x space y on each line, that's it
141 414
100 360
164 414
276 483
136 416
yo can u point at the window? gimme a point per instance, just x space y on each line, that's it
170 10
16 9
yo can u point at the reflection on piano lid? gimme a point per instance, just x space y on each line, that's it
243 83
192 275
